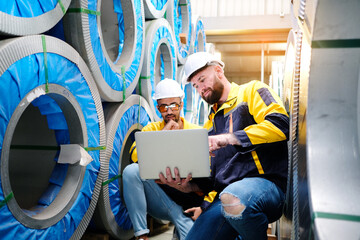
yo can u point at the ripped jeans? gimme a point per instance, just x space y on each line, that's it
249 205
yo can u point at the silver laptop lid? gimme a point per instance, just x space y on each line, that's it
188 150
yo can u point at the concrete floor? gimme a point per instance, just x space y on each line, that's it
166 235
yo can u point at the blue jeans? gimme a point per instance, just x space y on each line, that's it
145 196
263 202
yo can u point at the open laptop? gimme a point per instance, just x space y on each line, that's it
188 150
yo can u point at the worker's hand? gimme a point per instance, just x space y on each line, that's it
171 125
222 140
196 211
181 184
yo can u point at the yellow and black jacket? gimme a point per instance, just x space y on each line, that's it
257 117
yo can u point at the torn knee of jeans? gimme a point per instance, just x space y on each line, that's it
232 205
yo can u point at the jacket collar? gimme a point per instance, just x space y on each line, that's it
230 101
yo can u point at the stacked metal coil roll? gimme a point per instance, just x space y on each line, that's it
109 35
122 120
48 98
30 17
155 9
159 61
179 17
198 35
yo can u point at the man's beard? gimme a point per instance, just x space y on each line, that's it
216 92
166 120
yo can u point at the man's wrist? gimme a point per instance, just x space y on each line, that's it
232 139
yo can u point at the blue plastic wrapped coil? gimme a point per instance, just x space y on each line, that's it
113 50
25 17
122 121
48 74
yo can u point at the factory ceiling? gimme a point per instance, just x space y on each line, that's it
248 44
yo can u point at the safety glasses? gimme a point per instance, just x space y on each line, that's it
163 108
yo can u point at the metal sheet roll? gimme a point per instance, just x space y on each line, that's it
287 99
289 70
180 76
333 121
48 98
190 106
155 8
190 109
202 111
109 35
198 37
30 16
179 16
159 60
122 121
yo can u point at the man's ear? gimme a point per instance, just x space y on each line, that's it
219 71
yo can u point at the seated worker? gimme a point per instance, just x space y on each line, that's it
248 130
146 196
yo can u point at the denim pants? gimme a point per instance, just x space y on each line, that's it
263 202
145 196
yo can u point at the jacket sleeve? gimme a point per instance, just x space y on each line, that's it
133 153
208 199
272 120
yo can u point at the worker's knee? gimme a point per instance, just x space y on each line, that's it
131 172
231 205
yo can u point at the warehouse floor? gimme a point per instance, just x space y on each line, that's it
165 235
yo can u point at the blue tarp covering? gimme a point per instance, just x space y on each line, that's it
27 8
159 4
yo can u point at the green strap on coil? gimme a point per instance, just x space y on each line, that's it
62 6
84 10
7 199
124 81
45 64
111 179
339 43
334 216
140 87
95 148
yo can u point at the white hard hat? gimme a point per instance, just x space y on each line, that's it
198 60
168 88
